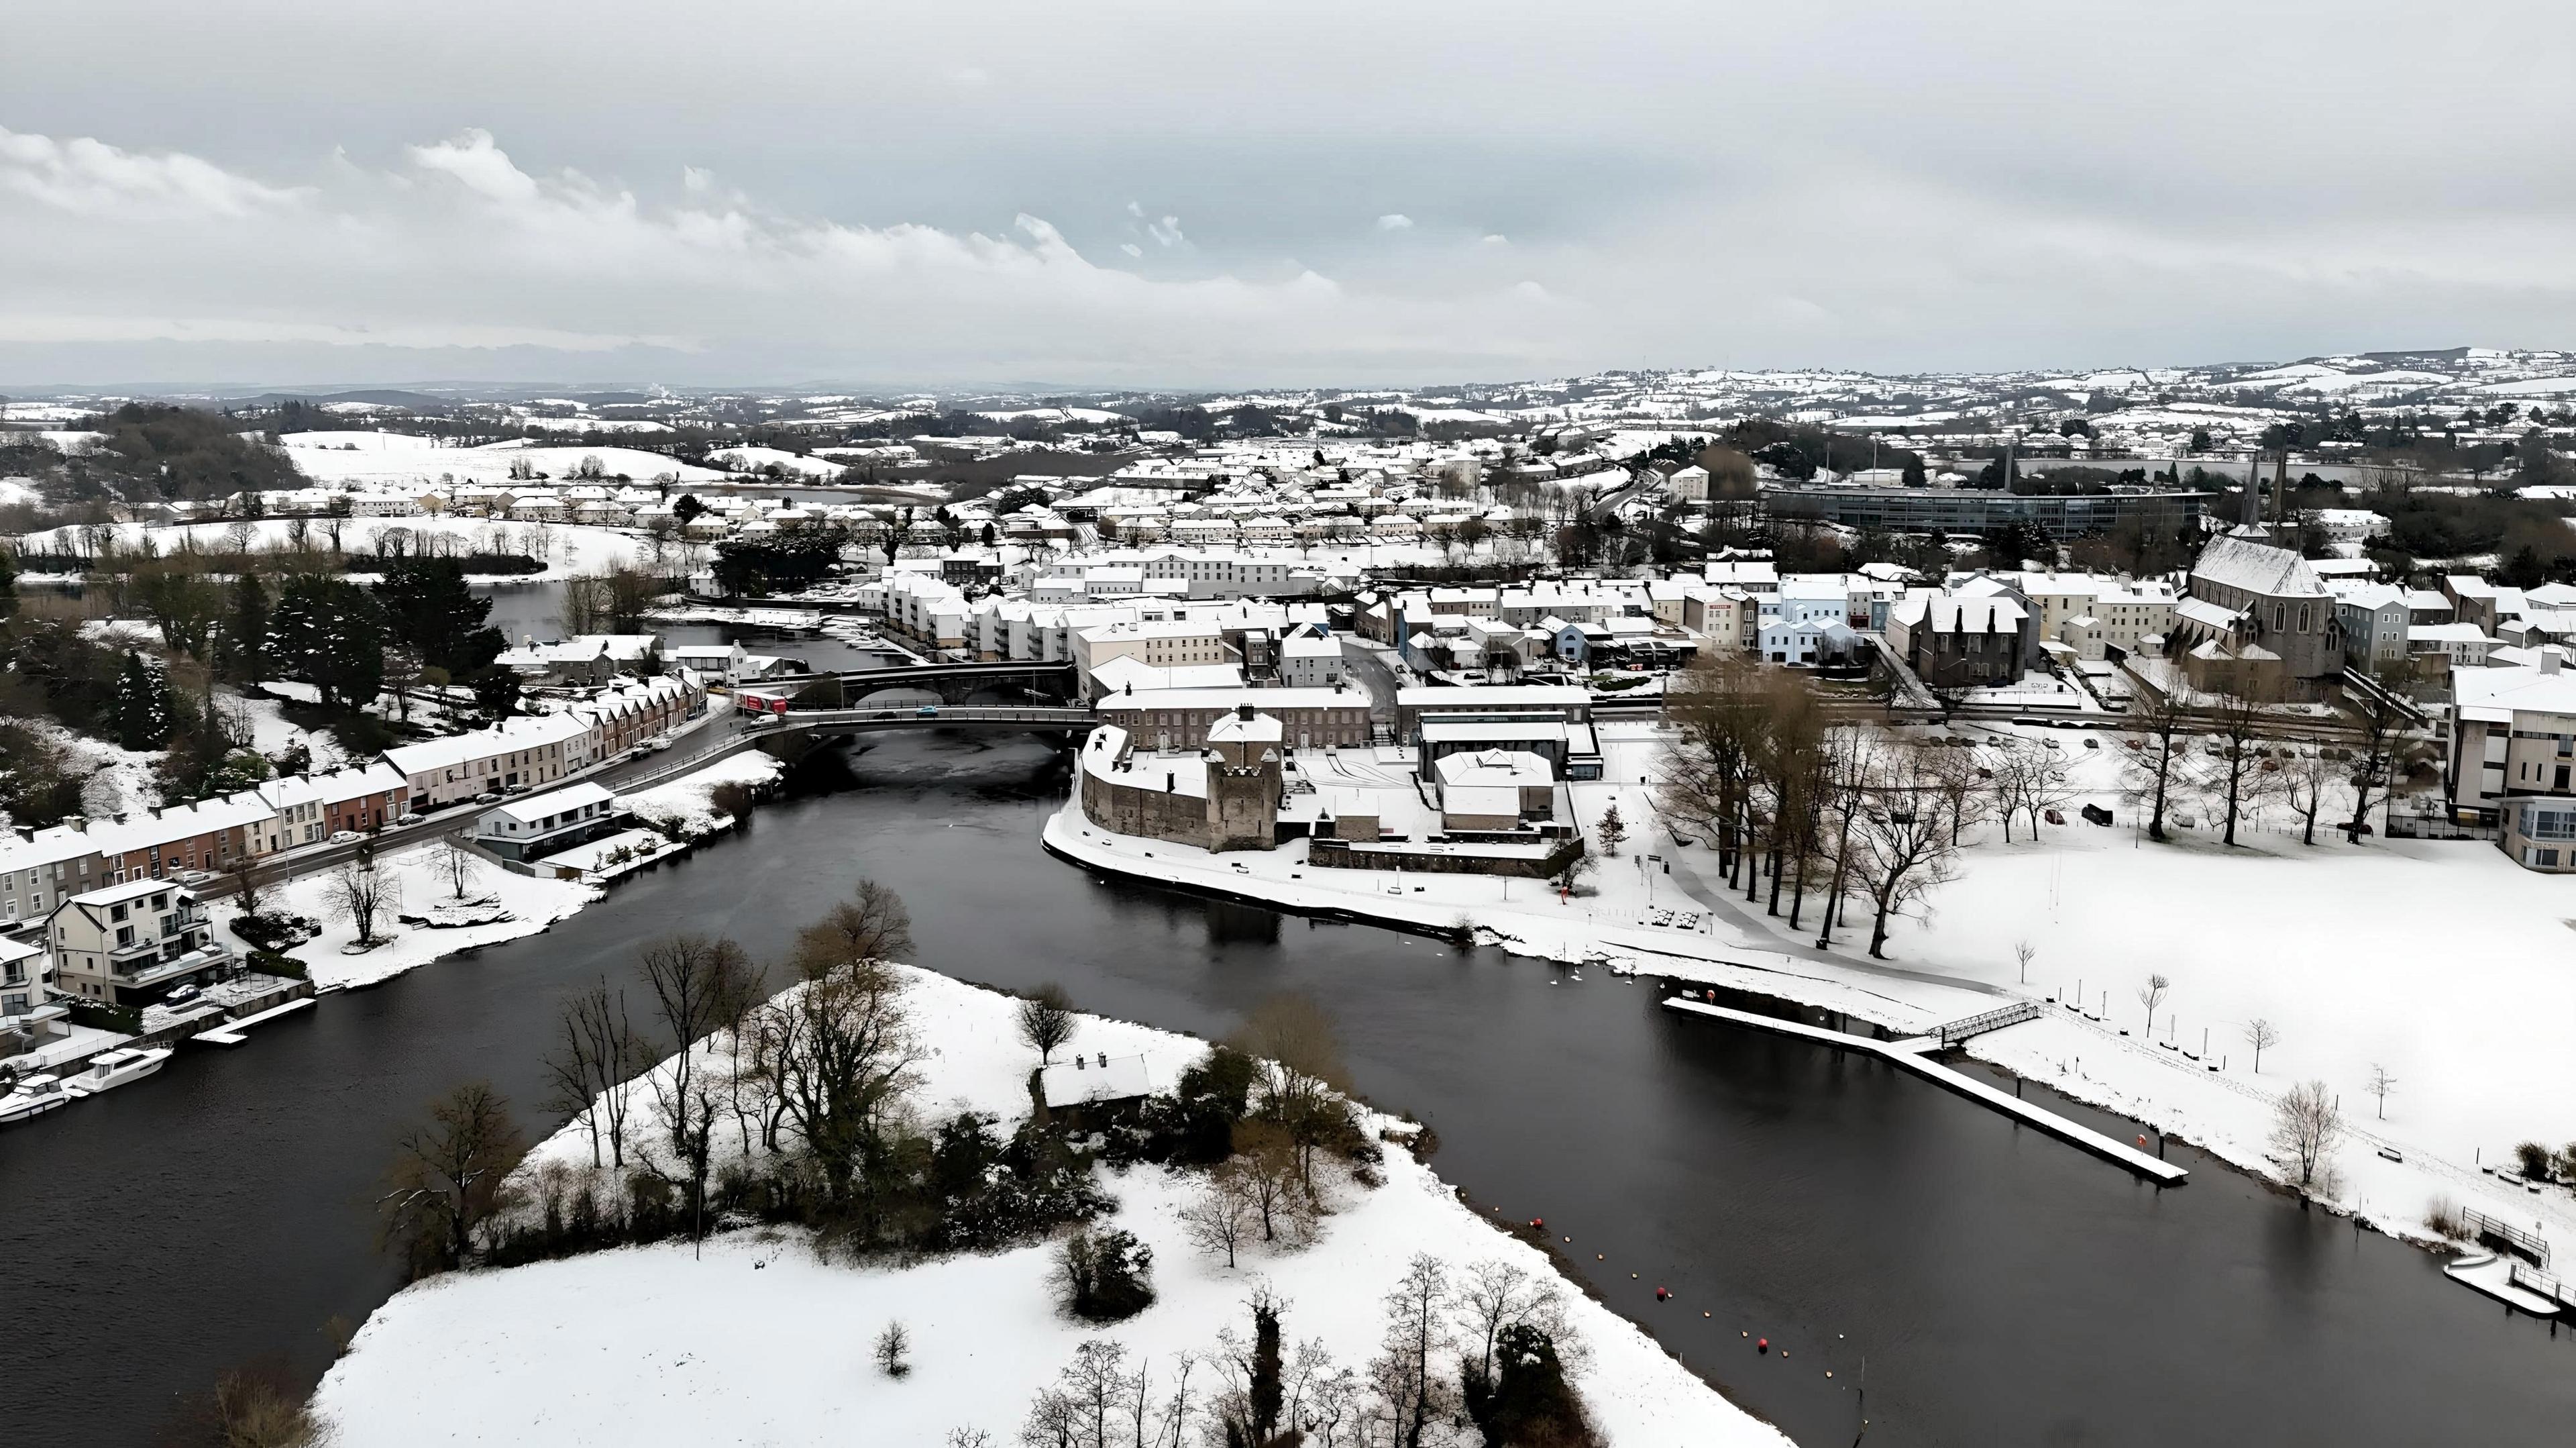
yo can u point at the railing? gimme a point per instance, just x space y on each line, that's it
2531 1279
1993 1020
2505 1238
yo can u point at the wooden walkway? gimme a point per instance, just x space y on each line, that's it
1909 1055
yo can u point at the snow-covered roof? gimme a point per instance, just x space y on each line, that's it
1493 767
1096 1077
536 807
2256 567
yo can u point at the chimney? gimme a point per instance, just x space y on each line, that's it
1243 712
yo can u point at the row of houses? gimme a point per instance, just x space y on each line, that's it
39 869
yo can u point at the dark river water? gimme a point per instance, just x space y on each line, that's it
1986 1284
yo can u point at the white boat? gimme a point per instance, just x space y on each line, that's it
33 1096
110 1069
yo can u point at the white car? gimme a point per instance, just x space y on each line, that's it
342 837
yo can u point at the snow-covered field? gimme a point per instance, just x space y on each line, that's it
2441 962
565 548
761 1342
386 459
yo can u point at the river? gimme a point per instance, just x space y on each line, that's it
2002 1287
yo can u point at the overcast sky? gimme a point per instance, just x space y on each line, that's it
1214 194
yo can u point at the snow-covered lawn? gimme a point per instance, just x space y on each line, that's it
761 1342
533 904
687 804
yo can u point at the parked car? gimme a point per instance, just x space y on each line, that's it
407 817
2092 743
343 837
654 745
489 796
184 995
193 877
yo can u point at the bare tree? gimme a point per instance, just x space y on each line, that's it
458 864
1906 841
2380 1085
2378 759
1221 1218
2261 1033
891 1351
2305 1128
1412 1395
2152 995
838 1054
2156 744
1298 1072
1266 1155
2029 779
596 1052
1046 1020
1496 1295
873 924
697 984
250 881
1705 779
1080 1410
447 1175
2023 950
359 893
2234 778
2303 782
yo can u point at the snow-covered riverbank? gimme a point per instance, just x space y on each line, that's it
2337 945
421 885
763 1342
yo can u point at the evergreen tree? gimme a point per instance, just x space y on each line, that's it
428 607
246 631
140 712
328 632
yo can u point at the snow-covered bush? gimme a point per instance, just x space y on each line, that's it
1106 1275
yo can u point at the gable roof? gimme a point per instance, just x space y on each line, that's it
2234 562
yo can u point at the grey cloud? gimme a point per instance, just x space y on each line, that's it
935 194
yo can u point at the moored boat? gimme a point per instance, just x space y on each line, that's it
110 1069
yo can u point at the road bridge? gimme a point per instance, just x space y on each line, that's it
951 683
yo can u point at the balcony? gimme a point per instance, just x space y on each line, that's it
154 970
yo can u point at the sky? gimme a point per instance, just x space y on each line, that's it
1209 195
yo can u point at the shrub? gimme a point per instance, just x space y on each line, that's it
1106 1276
270 962
2442 1216
2534 1159
100 1016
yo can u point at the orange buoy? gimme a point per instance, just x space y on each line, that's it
1662 1296
1764 1345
